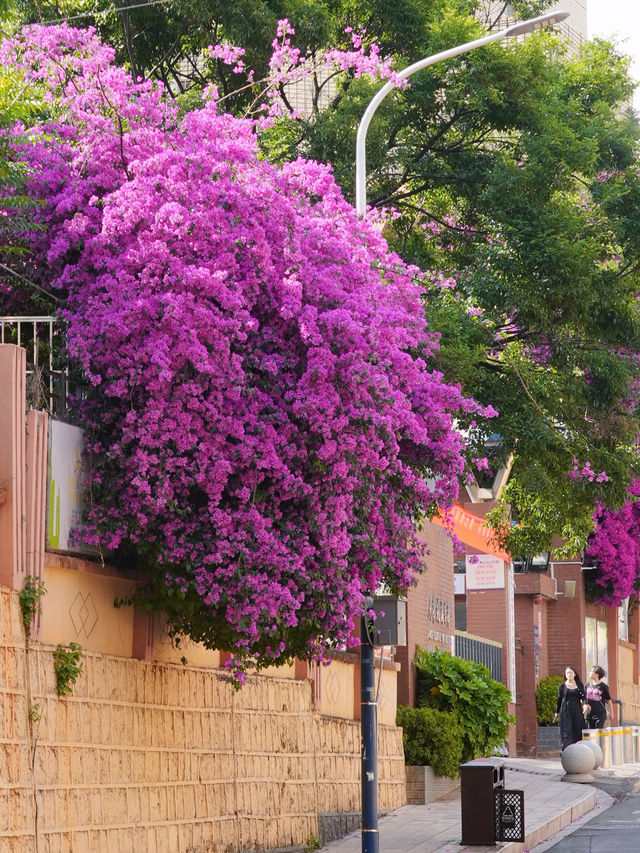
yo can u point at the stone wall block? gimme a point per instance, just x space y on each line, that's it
16 637
13 664
76 767
121 804
70 720
189 729
6 621
95 806
85 714
37 672
96 677
112 679
59 721
5 811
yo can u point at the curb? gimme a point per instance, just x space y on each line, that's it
602 803
553 829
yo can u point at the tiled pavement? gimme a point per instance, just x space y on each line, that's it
551 807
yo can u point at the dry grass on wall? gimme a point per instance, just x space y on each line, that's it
160 758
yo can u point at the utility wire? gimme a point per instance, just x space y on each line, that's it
98 12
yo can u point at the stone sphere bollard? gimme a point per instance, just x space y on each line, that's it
578 760
595 747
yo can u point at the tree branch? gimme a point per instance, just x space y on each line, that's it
28 283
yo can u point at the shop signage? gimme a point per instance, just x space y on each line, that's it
484 571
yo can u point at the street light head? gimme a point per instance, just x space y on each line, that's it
532 24
497 35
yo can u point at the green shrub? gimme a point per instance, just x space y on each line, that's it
431 737
547 698
466 689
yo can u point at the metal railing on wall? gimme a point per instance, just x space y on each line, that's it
480 651
48 384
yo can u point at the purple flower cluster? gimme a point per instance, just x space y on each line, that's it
615 547
263 425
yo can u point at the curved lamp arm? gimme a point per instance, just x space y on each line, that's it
515 30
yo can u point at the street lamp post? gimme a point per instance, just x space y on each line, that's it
515 30
369 781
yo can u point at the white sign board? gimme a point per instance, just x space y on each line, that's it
66 487
458 584
484 572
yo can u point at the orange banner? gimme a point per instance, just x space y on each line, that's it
471 530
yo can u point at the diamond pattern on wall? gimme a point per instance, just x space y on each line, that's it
331 686
83 614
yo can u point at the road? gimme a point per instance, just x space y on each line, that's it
614 829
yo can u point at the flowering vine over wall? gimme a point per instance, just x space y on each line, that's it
263 427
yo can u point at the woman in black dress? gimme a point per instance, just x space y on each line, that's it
570 698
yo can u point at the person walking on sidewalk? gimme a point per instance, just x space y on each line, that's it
569 707
597 699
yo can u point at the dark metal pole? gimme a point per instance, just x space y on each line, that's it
618 702
368 725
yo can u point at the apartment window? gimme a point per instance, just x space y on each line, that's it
596 641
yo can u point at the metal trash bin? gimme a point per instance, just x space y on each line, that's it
509 815
479 779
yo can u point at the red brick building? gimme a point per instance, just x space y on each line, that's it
430 609
537 615
556 627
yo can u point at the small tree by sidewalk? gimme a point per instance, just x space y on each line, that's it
466 689
546 700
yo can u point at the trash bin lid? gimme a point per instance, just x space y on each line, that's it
484 762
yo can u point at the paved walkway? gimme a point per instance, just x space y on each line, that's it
551 807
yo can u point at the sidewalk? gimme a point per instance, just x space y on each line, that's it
550 806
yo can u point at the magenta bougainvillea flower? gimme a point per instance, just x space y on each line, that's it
614 547
263 426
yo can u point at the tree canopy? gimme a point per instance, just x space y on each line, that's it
512 172
513 175
513 179
263 428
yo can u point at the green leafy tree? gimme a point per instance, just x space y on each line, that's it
466 689
514 174
18 103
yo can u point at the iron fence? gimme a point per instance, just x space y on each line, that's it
48 383
478 651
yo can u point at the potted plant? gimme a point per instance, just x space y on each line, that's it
432 742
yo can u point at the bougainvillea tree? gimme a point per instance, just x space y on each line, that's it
520 159
614 552
263 426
